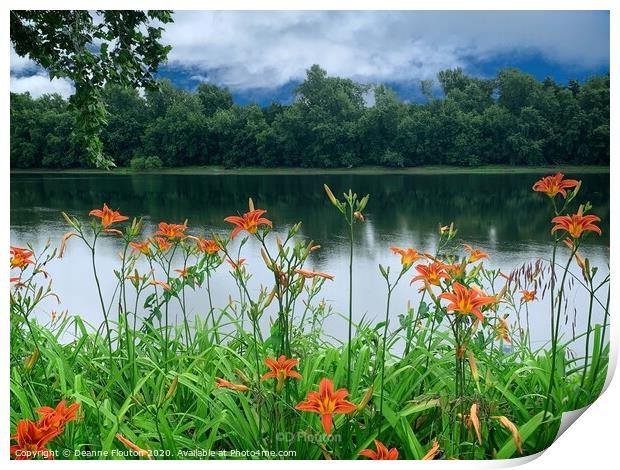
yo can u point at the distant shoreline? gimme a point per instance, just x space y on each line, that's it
364 170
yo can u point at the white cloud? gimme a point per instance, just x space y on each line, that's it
20 65
245 50
40 84
27 75
265 49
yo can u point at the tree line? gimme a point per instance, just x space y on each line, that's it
332 122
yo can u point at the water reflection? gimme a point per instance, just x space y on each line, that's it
498 213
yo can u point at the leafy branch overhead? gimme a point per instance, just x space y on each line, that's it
92 49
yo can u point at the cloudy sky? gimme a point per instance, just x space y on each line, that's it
261 56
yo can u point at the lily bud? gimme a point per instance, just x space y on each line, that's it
73 222
266 259
272 294
32 360
280 247
473 366
331 196
244 378
359 216
63 242
173 387
251 204
513 429
473 416
365 399
138 450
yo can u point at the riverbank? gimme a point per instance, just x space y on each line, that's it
365 170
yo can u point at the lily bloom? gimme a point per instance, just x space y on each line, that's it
280 370
249 222
552 185
576 224
171 230
161 243
455 270
528 295
474 255
313 274
236 264
207 246
107 215
327 403
382 452
408 256
431 273
56 418
221 383
138 450
182 272
31 440
20 257
144 247
466 301
502 331
433 451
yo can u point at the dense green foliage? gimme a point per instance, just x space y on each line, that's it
510 119
109 46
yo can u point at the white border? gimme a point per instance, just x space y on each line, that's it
590 442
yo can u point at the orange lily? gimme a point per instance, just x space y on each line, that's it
161 243
248 222
20 257
56 418
236 264
382 452
474 255
433 451
431 273
528 295
327 403
502 331
107 215
407 257
140 451
144 247
221 383
313 274
207 246
466 301
280 370
576 224
31 440
552 185
171 230
182 272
